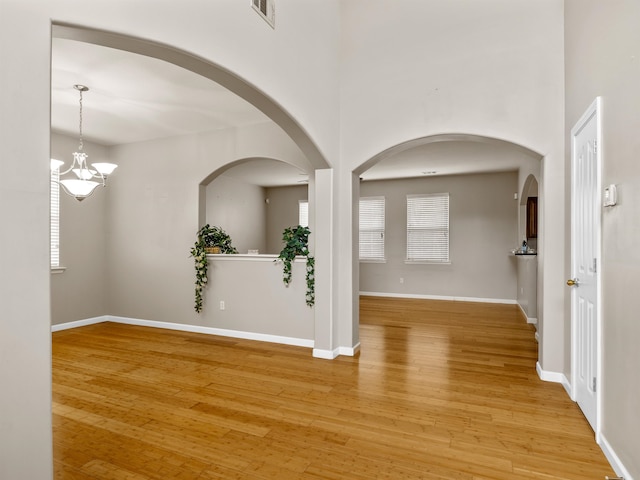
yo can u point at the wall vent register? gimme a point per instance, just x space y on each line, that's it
266 9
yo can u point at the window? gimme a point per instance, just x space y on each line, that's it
372 228
55 214
428 228
303 213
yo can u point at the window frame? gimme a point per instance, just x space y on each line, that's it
439 221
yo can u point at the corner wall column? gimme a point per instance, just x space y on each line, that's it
325 331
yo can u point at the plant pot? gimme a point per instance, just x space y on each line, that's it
212 249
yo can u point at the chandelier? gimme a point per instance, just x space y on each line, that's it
82 180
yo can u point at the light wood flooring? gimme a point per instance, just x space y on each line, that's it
440 390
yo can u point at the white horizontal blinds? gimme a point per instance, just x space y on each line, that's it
303 213
428 228
55 218
372 228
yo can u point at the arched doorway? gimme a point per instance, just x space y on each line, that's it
468 154
205 68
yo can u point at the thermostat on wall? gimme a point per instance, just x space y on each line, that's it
610 196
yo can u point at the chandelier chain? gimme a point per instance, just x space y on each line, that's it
80 127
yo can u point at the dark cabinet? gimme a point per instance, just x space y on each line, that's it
532 217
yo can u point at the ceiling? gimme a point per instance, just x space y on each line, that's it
135 98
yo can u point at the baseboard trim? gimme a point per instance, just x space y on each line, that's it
349 351
614 460
523 314
79 323
326 354
261 337
508 301
554 377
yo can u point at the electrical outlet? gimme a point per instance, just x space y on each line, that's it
221 304
401 280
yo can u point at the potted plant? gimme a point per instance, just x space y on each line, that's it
209 240
215 240
296 242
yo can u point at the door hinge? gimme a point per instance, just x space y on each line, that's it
595 265
594 384
595 146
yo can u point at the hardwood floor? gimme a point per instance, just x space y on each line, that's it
440 390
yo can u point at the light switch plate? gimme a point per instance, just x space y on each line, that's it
610 196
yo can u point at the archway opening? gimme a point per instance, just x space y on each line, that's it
482 178
254 199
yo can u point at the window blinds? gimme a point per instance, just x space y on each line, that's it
372 228
55 218
428 228
303 213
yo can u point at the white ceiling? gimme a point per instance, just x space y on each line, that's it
452 157
135 98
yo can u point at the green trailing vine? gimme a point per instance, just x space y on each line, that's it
200 257
296 242
207 237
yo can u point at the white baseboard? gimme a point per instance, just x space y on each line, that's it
614 460
509 301
608 451
349 351
79 323
331 354
555 377
326 354
261 337
532 320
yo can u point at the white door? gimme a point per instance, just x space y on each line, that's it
585 261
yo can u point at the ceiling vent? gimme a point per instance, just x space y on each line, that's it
266 9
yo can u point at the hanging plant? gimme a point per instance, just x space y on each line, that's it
207 237
296 243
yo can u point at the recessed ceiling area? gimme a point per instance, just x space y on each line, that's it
266 172
451 157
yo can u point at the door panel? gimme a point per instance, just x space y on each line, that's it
585 241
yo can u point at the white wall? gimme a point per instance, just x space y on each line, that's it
492 68
239 209
602 44
80 291
153 218
282 212
25 320
256 300
482 222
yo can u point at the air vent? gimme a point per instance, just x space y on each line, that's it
266 9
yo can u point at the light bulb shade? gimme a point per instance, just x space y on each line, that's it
84 173
56 164
79 188
104 168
